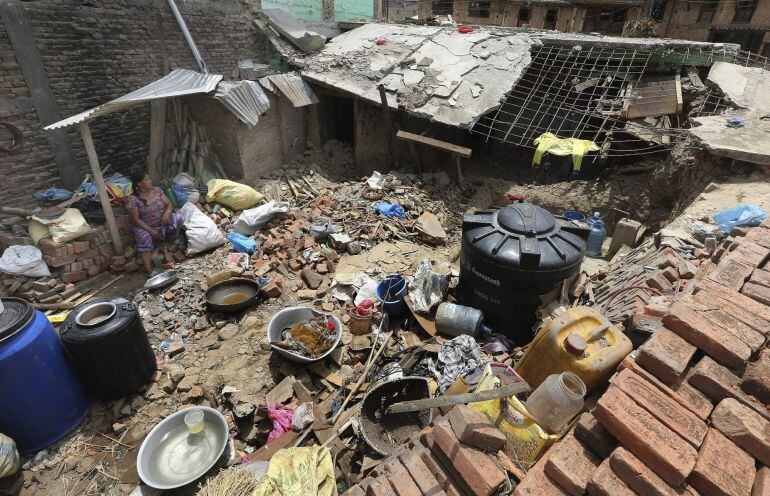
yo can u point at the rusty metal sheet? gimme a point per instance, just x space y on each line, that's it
180 82
245 99
294 88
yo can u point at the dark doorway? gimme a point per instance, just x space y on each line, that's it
338 118
550 19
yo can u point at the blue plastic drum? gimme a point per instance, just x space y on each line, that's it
42 399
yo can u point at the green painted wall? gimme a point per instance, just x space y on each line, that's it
307 10
353 10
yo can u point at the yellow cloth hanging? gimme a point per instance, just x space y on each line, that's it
299 472
550 143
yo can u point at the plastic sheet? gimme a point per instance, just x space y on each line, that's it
299 472
281 416
52 194
743 214
428 287
241 243
390 210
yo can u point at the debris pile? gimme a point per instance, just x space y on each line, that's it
690 396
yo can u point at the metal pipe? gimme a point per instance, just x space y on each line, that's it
187 36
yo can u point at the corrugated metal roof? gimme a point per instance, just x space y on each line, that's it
294 88
179 82
245 99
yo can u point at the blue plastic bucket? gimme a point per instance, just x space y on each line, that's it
391 294
573 215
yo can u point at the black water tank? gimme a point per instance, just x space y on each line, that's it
511 256
109 347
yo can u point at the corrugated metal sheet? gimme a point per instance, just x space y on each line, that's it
245 99
294 88
179 82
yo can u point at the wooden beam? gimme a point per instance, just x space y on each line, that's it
31 63
93 160
432 142
157 137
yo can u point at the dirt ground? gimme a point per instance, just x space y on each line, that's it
99 457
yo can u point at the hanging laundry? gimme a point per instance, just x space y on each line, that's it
550 143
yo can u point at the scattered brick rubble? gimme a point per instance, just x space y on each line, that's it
687 413
440 463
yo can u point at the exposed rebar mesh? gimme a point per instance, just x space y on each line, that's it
584 93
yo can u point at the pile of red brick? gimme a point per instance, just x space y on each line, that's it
644 282
456 458
687 413
86 256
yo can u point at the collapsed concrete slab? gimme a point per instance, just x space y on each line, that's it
294 30
745 87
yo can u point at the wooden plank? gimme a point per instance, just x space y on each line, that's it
432 142
31 63
459 399
678 91
458 168
93 160
157 138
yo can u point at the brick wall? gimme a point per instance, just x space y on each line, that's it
680 20
94 51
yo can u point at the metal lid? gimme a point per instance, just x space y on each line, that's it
575 344
16 315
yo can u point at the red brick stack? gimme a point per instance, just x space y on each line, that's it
687 413
88 255
455 459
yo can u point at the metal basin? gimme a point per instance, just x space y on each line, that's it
161 280
170 457
384 433
232 295
292 316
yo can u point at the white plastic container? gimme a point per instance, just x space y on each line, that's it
557 400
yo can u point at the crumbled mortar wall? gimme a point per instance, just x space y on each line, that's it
94 52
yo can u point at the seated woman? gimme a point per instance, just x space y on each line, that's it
153 216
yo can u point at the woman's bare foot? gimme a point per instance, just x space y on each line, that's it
166 253
146 261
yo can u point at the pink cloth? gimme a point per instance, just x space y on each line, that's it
281 416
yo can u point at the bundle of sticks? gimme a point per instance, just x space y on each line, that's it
187 145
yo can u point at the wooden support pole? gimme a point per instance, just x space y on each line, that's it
155 167
88 141
14 18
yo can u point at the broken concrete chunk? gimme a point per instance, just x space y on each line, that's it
228 332
430 228
413 77
294 30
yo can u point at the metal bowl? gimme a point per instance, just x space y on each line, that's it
170 457
291 316
161 280
232 295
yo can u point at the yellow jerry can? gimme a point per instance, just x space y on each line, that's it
581 341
